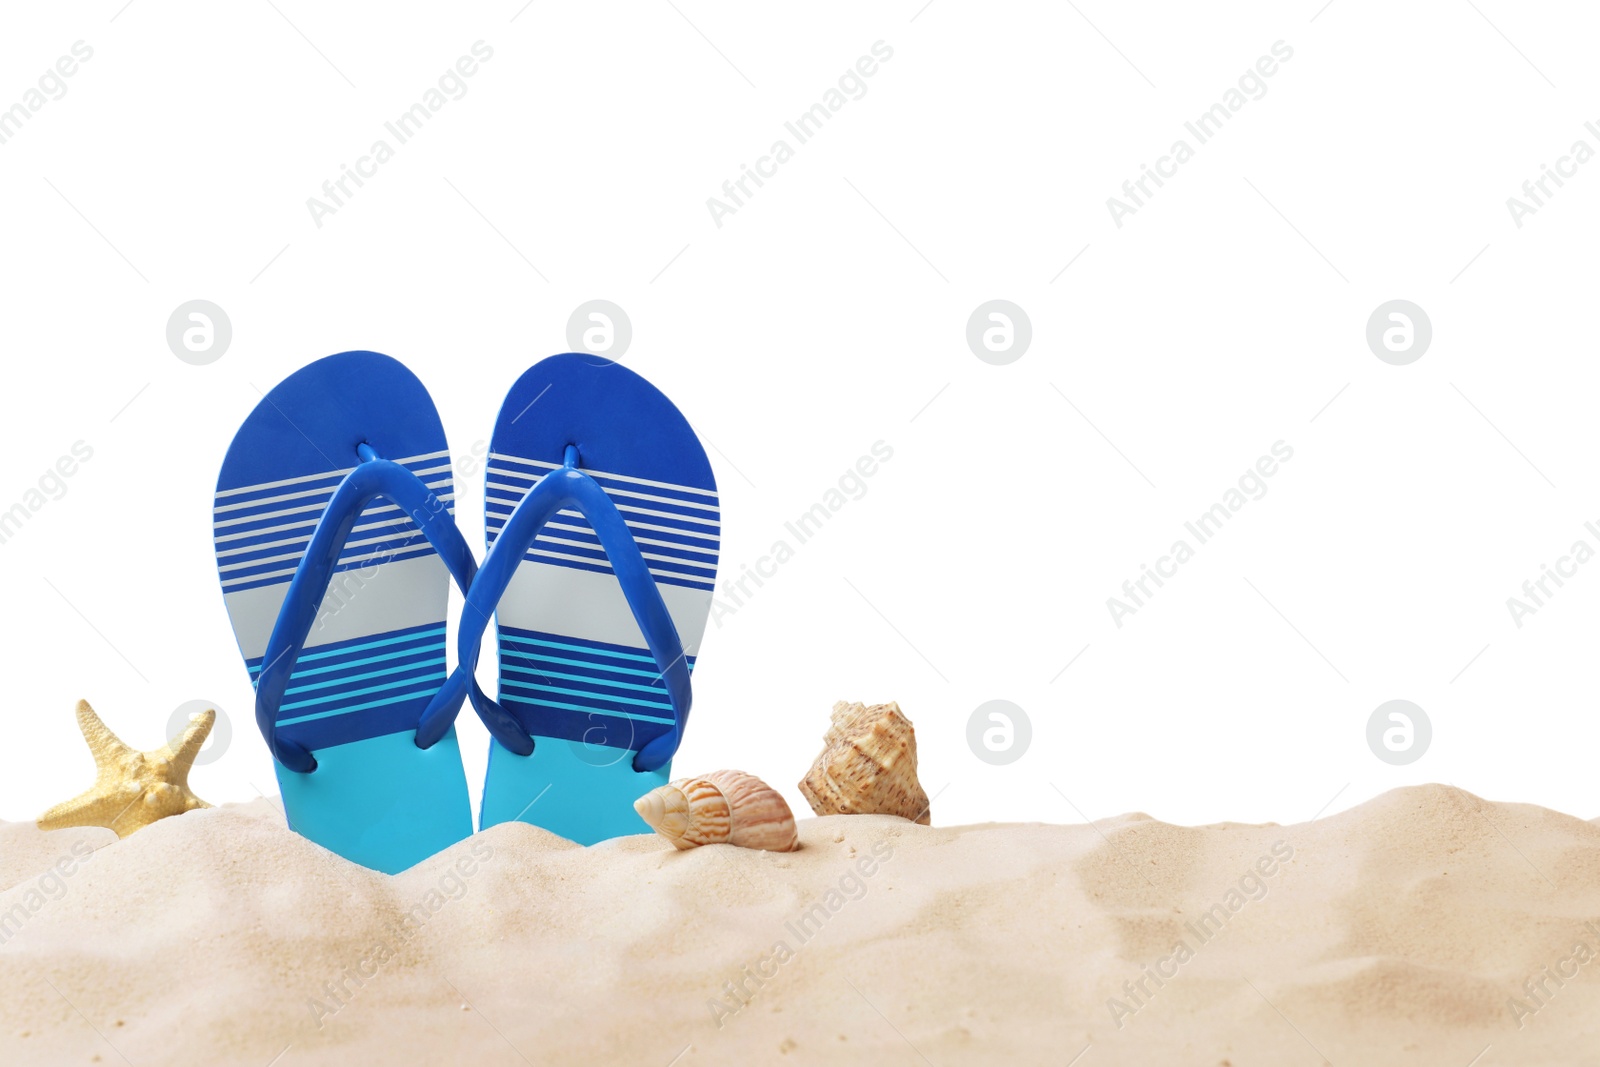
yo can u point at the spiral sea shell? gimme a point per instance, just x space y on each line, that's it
723 807
868 765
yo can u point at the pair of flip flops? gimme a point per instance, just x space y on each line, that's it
337 544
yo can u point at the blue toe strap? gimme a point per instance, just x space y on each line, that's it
568 487
371 479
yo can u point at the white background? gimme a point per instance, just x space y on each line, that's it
829 313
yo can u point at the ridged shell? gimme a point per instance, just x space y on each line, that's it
868 765
723 807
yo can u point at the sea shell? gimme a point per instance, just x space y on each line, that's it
868 765
723 807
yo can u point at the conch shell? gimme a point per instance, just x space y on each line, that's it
723 807
868 765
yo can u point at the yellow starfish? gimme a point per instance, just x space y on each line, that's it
132 789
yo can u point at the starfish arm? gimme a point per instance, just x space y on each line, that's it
186 746
93 808
132 789
106 746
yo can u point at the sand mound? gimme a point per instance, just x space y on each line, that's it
1419 928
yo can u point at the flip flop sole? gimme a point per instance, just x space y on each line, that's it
574 668
376 652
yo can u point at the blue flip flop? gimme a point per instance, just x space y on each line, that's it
336 546
603 526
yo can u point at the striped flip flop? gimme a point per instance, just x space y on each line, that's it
336 546
603 530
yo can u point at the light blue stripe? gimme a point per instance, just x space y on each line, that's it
419 635
360 692
424 654
575 648
588 693
397 668
612 714
357 707
588 678
530 657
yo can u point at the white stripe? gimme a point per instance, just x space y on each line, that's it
508 506
365 527
270 529
319 506
647 555
635 526
642 540
659 572
342 560
402 595
278 514
313 477
328 489
589 606
604 474
411 542
613 493
308 522
497 523
445 497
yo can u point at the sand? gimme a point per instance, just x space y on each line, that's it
1399 932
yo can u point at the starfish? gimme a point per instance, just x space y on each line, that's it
132 789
